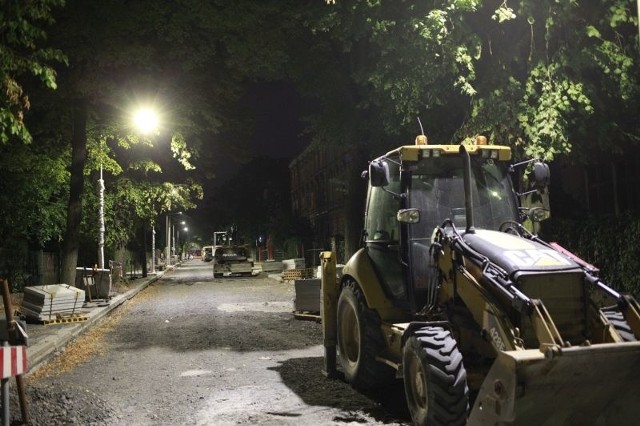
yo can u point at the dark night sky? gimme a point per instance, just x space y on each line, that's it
278 108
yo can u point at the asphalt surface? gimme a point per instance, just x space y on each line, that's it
191 349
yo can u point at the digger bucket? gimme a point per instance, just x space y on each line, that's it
585 385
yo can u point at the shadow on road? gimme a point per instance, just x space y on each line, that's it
304 377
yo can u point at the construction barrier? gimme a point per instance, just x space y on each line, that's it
13 361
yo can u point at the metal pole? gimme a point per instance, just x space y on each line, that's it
101 222
11 326
153 249
5 398
168 242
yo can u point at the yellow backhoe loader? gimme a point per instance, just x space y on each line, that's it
486 323
229 257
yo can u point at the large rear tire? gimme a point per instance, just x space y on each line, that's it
435 379
360 340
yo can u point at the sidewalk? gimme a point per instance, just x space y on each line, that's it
46 340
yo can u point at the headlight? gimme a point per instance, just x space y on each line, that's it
408 216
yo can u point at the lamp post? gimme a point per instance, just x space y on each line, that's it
169 228
146 121
101 226
167 242
180 244
185 244
153 249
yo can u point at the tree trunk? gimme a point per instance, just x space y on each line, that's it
74 211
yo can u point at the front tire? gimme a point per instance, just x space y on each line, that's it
435 379
360 340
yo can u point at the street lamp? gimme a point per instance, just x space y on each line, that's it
186 242
101 227
153 249
146 121
181 244
176 241
168 235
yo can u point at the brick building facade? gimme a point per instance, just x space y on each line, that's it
318 192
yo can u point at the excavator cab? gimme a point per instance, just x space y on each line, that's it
409 200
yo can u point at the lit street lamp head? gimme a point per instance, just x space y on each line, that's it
146 120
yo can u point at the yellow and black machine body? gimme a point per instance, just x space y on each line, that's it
230 258
486 323
207 253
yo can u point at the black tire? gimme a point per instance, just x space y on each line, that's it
616 318
360 340
435 380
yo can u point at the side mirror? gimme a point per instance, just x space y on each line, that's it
541 175
537 214
379 173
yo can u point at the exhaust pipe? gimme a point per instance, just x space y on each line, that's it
468 201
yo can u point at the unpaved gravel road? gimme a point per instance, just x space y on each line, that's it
191 350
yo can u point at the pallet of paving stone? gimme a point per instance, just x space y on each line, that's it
298 274
65 319
297 263
45 302
270 266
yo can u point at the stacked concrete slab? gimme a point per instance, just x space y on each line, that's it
297 263
45 302
271 266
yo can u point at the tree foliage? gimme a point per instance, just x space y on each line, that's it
546 77
22 31
543 77
591 239
33 177
37 176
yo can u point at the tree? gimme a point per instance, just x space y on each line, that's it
540 77
22 28
31 206
141 46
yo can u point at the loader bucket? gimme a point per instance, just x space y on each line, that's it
585 385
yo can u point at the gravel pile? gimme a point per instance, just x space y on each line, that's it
55 404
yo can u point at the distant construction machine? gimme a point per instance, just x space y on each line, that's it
229 257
